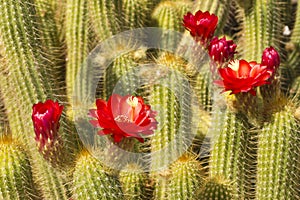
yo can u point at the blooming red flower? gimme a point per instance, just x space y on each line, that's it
221 50
270 58
121 117
241 76
45 117
201 26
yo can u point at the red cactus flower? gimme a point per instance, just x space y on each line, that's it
270 58
201 26
121 117
45 117
241 76
221 50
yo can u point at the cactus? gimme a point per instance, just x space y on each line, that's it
216 189
91 181
203 143
16 179
278 150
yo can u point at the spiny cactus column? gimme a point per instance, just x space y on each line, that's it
23 66
102 13
135 13
262 27
16 180
134 182
216 189
171 97
77 40
186 178
278 171
229 155
91 181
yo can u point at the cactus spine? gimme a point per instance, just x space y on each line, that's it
16 181
278 157
229 155
216 189
133 181
90 181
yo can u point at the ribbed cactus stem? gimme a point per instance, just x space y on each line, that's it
278 157
216 189
133 181
261 28
219 8
186 178
52 183
104 17
171 98
295 38
91 181
23 71
135 13
16 181
230 154
119 77
77 29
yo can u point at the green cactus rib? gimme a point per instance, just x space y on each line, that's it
22 65
171 98
119 77
216 189
262 28
230 155
219 8
90 181
102 12
186 178
278 157
135 13
295 38
16 181
51 182
133 181
77 40
53 48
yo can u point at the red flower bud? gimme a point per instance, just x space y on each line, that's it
221 50
271 59
45 117
201 25
241 76
121 117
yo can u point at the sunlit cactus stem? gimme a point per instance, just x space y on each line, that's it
90 180
230 155
16 181
278 157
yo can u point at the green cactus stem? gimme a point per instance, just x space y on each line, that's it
16 181
77 40
135 13
186 178
230 154
102 13
171 97
22 66
91 181
262 27
278 157
133 181
216 189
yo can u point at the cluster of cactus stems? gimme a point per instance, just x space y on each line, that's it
201 143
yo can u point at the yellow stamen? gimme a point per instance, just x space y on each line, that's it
234 65
133 102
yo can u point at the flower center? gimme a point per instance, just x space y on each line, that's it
234 65
122 118
133 102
